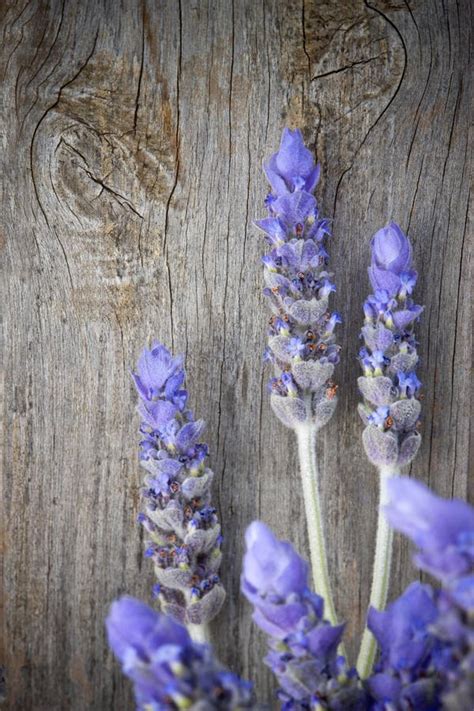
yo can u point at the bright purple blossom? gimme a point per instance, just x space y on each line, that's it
169 670
183 532
391 249
408 384
292 167
442 530
272 566
391 260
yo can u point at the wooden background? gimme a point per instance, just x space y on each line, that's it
132 137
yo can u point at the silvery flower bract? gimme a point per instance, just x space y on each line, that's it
390 385
168 670
303 646
183 532
301 340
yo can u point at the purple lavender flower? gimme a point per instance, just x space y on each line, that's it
303 646
389 384
442 530
292 167
391 252
454 630
405 676
169 670
301 334
183 531
426 637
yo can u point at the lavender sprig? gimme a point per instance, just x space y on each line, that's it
389 385
301 336
301 340
303 645
168 669
391 408
184 535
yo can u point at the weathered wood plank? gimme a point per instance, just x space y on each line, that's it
132 138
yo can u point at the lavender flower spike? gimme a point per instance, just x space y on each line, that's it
389 386
184 535
301 336
301 340
168 669
303 646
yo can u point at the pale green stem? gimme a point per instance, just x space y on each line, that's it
199 633
306 434
380 577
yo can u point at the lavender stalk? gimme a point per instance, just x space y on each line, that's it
184 535
301 341
389 386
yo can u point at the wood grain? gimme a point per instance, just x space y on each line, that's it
132 137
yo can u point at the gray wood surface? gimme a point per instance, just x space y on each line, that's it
132 137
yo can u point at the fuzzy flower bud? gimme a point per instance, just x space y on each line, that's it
303 646
292 167
301 338
182 530
391 251
168 669
389 384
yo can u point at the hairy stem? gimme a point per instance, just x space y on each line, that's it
380 577
199 633
306 434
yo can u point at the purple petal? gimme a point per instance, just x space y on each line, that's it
384 279
157 414
391 249
295 208
189 434
404 317
276 180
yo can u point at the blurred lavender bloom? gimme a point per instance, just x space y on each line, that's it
389 356
454 629
426 637
442 530
183 532
301 334
405 676
168 669
303 646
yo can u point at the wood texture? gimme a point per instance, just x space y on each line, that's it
132 137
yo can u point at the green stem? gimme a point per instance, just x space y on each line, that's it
306 434
199 633
380 577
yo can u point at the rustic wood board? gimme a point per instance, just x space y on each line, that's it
132 136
